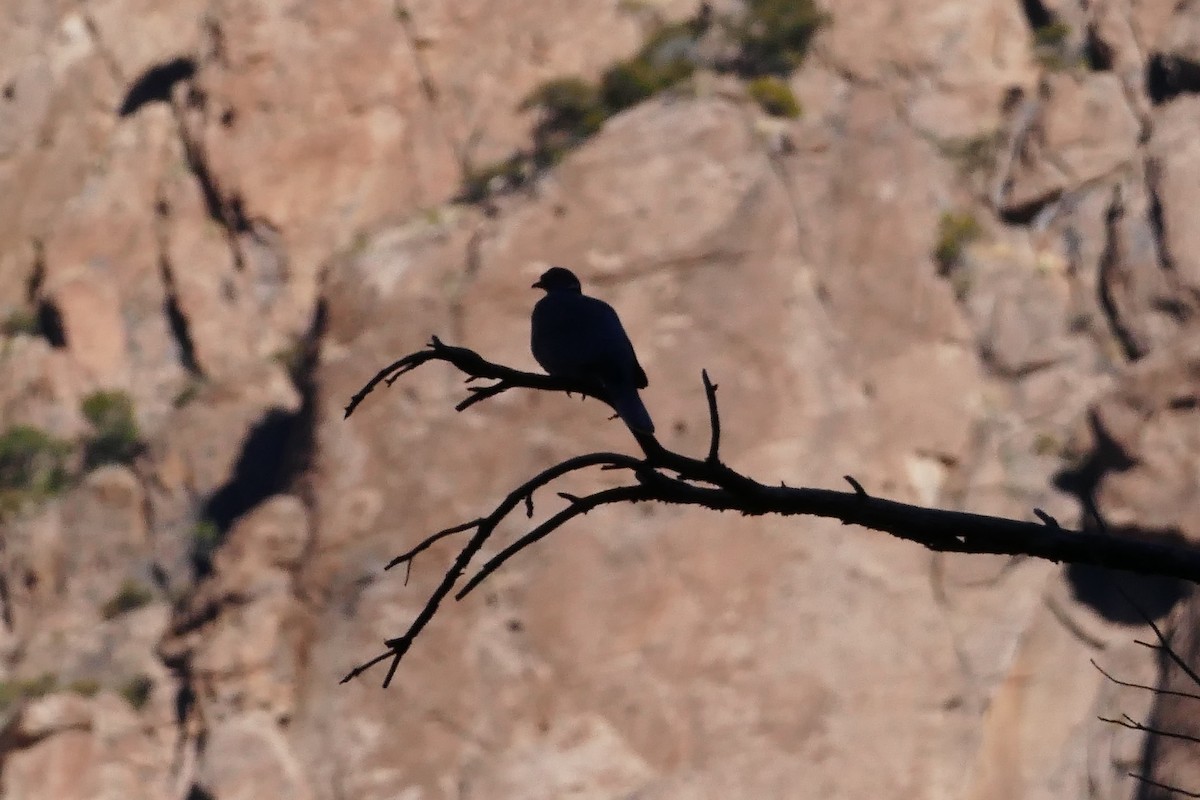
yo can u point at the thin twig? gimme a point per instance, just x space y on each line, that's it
1133 725
577 507
1165 786
714 419
407 557
1154 689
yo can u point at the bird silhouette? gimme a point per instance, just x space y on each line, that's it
576 336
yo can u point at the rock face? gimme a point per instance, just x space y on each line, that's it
964 276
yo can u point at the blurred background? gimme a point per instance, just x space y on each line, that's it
945 246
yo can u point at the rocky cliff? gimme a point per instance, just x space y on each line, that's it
949 251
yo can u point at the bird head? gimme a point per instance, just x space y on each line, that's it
558 279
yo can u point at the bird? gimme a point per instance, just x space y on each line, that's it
576 336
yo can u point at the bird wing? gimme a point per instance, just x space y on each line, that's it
574 334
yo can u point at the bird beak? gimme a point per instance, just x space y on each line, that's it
538 285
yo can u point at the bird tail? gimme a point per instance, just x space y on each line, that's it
630 408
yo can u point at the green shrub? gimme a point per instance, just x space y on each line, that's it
664 60
20 321
628 83
569 106
572 109
973 154
132 595
955 231
771 38
189 392
206 538
87 687
1050 46
32 466
136 691
1046 444
774 36
508 173
1053 34
115 439
774 96
27 689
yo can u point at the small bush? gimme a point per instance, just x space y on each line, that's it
20 321
771 38
132 595
136 691
774 96
116 438
1046 444
206 538
27 689
189 392
570 107
32 466
628 83
1050 46
1052 35
664 60
774 36
86 687
955 231
496 177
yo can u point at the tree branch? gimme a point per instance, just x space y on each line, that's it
664 476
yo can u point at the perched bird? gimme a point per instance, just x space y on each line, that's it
576 336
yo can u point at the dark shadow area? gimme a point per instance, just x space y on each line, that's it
5 603
1026 213
37 275
1109 266
262 469
1101 589
1082 478
1097 52
1156 215
1036 14
178 323
277 452
197 792
155 84
1168 77
50 324
229 214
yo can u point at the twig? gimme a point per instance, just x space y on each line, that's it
1154 689
1165 786
714 419
577 507
1129 722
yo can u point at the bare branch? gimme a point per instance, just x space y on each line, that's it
714 419
1155 689
1129 722
577 507
1164 786
476 368
665 476
406 558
